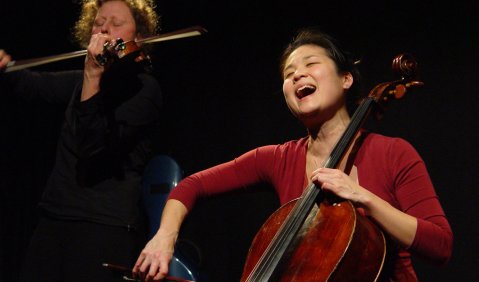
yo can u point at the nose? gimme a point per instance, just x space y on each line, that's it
298 74
105 28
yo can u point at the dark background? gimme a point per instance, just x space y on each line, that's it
223 97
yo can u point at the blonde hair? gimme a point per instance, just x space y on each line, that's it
143 11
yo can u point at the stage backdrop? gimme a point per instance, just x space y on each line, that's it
223 97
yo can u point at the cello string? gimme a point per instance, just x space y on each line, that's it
283 238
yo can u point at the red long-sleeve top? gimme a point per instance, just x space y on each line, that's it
389 167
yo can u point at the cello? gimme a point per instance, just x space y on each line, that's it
320 237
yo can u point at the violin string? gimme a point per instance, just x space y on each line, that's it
28 63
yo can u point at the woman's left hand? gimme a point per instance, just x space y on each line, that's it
339 183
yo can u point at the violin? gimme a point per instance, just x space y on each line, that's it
118 50
320 237
111 51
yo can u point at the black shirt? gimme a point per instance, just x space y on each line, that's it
104 142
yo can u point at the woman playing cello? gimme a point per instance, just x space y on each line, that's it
388 181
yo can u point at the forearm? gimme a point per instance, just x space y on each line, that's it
173 216
90 87
52 87
158 252
398 225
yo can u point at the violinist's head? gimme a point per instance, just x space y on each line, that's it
318 76
125 19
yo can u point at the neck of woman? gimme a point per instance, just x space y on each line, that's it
323 136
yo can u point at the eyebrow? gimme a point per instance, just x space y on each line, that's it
304 59
108 17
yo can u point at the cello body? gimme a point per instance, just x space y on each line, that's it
336 243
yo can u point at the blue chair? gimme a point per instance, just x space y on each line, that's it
161 175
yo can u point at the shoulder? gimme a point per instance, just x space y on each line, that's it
149 83
292 148
383 142
289 146
148 79
150 88
392 158
389 148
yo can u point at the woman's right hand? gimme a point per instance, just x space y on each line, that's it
154 259
5 58
93 70
95 48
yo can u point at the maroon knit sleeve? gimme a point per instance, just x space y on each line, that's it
417 197
245 170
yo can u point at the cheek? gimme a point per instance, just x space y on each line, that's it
131 34
289 99
288 89
284 90
126 34
132 30
95 30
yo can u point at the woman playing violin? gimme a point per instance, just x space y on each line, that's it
388 181
90 206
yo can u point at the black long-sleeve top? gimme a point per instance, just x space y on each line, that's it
103 145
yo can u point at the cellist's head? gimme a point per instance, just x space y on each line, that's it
344 63
99 16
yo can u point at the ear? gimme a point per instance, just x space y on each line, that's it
347 80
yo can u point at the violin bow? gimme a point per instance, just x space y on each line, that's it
128 277
182 33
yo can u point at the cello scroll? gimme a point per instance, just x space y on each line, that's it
406 67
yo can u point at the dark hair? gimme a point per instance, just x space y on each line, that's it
343 59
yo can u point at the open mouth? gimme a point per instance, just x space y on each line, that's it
305 90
